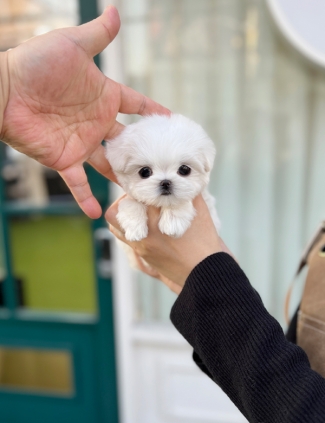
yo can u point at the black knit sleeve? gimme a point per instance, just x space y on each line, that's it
243 348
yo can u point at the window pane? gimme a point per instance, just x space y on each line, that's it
29 184
53 258
41 371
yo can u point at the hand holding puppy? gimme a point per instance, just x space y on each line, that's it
172 259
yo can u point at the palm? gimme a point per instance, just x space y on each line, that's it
60 106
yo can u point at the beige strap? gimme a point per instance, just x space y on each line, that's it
313 298
303 261
311 316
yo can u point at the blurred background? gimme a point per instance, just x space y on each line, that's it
82 336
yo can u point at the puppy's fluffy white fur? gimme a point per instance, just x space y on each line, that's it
164 161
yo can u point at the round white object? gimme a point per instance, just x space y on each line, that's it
303 24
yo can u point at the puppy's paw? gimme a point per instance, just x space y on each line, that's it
132 217
173 226
175 222
210 201
136 233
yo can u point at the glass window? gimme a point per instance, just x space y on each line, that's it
29 184
223 64
54 261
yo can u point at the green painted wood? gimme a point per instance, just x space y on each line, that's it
88 10
105 348
8 282
19 406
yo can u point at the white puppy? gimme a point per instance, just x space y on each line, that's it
163 161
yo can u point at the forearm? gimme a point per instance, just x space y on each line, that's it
4 88
244 349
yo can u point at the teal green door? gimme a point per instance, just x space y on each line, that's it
56 320
57 360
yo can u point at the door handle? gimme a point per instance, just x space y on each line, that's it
103 239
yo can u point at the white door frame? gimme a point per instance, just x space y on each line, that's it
153 360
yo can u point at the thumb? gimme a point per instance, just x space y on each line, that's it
95 35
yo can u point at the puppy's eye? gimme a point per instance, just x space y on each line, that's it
184 170
145 172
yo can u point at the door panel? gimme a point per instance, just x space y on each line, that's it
55 322
36 370
62 248
74 344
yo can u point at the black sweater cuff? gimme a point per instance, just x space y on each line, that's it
243 348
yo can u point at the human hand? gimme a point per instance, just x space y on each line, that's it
150 271
56 106
172 259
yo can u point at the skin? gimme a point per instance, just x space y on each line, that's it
171 259
56 106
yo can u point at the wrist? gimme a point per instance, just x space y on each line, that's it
4 88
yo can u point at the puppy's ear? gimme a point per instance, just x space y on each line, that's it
208 158
207 164
119 150
117 155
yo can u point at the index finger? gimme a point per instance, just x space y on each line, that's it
133 102
76 179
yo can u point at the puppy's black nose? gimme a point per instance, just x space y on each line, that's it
165 187
165 184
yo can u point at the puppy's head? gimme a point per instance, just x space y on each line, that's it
162 160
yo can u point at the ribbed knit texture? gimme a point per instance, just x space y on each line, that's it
243 348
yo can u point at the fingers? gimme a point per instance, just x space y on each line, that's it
95 35
99 162
200 204
133 102
116 230
117 233
153 214
76 179
111 213
145 268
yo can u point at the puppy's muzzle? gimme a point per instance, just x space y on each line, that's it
165 187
